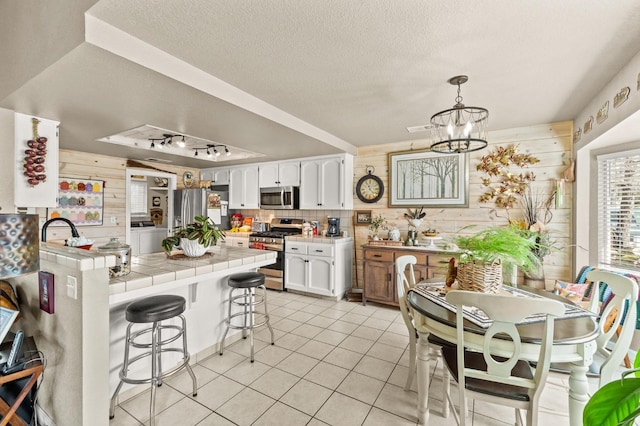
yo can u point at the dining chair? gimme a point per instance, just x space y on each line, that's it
619 314
488 367
405 281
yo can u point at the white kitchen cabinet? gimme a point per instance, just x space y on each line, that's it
279 174
243 188
217 175
326 183
322 268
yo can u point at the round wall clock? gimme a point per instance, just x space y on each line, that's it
187 179
369 188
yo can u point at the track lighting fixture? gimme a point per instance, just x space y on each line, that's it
212 150
166 140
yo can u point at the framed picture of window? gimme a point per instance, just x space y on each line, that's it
363 217
426 178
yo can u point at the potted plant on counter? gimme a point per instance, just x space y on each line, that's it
485 252
195 238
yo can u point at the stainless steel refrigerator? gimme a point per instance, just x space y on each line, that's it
213 203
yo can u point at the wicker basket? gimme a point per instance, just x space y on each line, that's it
480 276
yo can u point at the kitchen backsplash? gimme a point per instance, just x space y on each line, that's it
346 221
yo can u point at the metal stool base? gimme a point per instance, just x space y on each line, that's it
156 349
247 300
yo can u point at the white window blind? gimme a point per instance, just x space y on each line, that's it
619 210
138 198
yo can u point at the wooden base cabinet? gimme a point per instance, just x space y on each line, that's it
319 268
380 273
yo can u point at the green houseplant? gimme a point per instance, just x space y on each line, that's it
203 232
483 253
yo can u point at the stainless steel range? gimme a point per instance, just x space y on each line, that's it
274 240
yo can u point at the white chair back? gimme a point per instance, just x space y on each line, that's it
404 283
506 312
622 304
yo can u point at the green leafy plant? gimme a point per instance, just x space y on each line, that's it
617 402
510 245
204 230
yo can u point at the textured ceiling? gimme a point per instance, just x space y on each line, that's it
354 73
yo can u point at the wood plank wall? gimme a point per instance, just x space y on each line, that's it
550 143
111 170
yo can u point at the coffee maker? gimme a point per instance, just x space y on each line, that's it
334 227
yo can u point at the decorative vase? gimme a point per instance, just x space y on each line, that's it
535 279
192 248
415 222
394 234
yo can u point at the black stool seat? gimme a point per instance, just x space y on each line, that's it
155 308
246 280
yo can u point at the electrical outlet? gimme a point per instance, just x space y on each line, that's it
114 220
72 287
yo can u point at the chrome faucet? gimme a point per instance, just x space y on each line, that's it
74 231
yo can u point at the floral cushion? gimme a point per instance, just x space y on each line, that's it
572 291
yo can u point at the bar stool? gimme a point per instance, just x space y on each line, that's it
248 299
154 310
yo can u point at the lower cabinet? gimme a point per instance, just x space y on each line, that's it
318 268
380 273
145 241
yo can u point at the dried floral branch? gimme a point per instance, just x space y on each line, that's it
504 187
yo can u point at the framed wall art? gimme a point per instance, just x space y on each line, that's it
79 200
363 217
425 178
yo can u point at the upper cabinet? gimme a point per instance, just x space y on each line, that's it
217 175
36 152
326 183
279 174
243 188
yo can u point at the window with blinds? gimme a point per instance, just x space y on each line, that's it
138 198
619 210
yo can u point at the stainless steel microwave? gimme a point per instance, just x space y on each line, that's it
280 198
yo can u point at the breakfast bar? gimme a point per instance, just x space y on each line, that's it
201 281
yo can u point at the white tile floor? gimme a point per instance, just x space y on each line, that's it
335 363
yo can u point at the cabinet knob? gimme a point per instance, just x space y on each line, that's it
377 255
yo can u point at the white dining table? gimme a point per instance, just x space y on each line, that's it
574 343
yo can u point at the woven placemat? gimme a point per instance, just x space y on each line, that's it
182 256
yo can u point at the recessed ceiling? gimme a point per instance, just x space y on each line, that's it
298 78
155 139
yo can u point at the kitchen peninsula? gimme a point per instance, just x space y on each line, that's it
201 281
84 338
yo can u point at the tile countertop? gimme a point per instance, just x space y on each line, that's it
75 258
152 273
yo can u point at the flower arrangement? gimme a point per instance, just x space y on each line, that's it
536 215
377 223
415 217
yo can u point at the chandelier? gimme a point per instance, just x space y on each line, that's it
460 129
